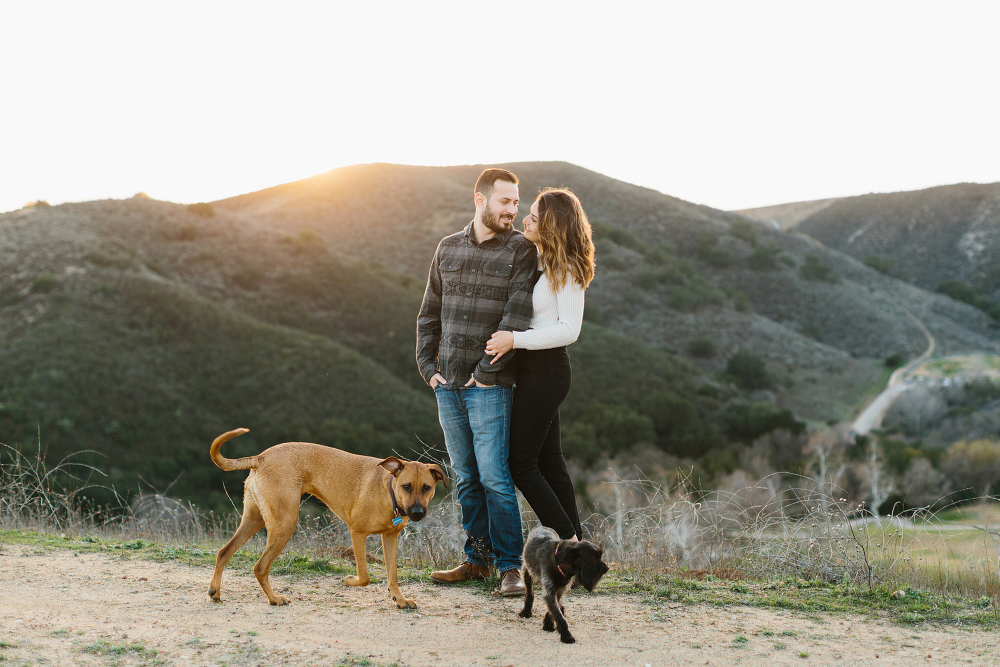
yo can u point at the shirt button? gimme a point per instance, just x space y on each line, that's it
465 317
473 270
468 294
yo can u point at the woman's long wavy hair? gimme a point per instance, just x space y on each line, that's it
565 238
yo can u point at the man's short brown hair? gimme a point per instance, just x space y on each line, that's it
488 179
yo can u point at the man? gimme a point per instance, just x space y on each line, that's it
480 281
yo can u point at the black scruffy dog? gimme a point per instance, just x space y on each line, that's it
554 564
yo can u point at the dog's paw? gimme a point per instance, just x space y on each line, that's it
214 594
567 639
547 624
279 600
404 603
354 580
525 613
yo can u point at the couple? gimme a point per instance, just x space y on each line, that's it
492 290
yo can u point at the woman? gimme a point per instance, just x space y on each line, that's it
559 229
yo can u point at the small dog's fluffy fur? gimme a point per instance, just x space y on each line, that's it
553 564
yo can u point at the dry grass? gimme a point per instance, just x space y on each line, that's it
655 532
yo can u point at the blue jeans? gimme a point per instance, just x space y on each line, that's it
476 424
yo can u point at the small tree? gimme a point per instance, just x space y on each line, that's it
748 370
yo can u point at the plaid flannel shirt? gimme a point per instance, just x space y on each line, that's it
474 289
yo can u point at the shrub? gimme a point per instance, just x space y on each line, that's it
749 422
814 268
744 229
895 360
710 253
647 279
748 371
619 236
618 428
9 296
592 313
612 263
885 266
764 258
973 464
203 209
703 348
960 291
308 241
684 300
44 284
812 330
741 302
248 277
41 203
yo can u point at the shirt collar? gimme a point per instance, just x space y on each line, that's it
500 238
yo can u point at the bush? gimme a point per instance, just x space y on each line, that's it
44 284
617 428
683 299
973 464
748 371
622 237
248 277
764 258
895 360
744 229
678 424
960 291
749 422
592 313
612 263
41 203
647 279
203 209
741 302
710 253
703 348
812 330
885 266
814 268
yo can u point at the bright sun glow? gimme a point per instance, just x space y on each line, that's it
730 104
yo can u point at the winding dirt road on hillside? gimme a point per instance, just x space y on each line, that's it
871 416
62 608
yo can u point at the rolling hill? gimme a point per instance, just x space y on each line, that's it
140 329
931 236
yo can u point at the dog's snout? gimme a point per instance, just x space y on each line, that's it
416 513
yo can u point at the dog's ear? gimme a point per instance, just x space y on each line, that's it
393 465
438 474
567 552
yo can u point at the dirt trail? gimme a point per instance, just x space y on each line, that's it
59 607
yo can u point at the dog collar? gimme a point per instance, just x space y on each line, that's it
397 513
560 567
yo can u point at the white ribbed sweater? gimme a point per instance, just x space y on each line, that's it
557 316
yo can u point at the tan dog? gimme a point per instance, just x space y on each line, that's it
372 497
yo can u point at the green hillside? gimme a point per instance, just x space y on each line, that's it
670 273
927 236
142 330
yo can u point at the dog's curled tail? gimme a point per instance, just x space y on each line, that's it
218 459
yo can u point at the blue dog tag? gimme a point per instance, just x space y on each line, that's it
397 520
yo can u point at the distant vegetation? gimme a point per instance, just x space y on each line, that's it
152 327
203 209
961 291
886 266
928 236
814 268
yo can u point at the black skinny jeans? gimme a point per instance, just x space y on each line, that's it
536 460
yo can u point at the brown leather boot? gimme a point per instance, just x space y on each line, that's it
511 584
465 572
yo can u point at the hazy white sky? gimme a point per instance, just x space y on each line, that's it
730 104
